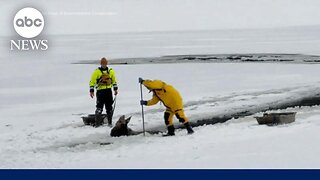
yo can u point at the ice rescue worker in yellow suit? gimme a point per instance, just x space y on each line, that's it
171 98
103 79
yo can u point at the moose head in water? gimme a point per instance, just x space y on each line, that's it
121 128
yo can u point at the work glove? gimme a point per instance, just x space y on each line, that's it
140 80
142 102
91 94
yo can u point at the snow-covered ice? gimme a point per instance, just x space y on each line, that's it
43 97
41 125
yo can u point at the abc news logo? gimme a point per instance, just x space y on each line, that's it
28 23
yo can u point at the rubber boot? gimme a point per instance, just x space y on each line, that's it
109 117
170 131
189 128
98 118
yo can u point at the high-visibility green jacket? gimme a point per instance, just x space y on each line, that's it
96 75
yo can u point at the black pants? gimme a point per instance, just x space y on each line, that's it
104 99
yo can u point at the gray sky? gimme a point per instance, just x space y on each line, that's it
101 16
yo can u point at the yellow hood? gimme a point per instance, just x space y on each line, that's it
154 84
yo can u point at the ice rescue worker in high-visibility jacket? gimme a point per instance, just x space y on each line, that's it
103 79
171 99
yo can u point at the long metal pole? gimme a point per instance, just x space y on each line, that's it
144 132
114 105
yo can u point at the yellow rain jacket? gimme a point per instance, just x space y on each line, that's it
96 75
165 93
